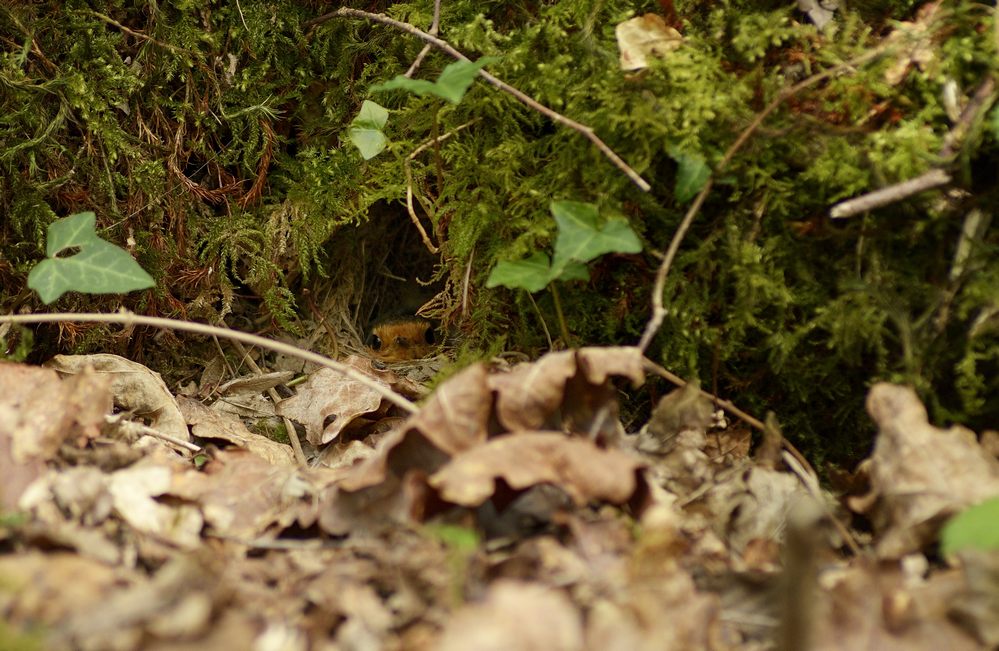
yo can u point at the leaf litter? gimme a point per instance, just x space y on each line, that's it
513 510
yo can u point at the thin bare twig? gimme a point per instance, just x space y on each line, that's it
296 444
891 194
434 28
728 406
408 167
131 319
525 99
934 178
140 35
658 311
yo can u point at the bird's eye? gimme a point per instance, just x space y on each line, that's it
376 342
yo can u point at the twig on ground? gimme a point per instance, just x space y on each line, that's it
727 405
525 99
296 444
934 178
146 430
810 481
131 319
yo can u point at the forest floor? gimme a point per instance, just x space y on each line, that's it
509 510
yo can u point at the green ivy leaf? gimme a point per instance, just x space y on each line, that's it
575 271
582 238
533 273
691 176
975 528
452 84
365 130
98 268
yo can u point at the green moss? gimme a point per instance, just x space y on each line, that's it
164 136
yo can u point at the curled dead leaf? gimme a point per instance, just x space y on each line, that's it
919 474
577 466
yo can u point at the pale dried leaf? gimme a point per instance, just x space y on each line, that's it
919 474
454 419
599 364
329 402
528 396
134 387
514 615
38 411
255 383
207 423
643 38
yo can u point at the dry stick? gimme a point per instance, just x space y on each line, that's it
140 35
525 99
727 405
296 445
891 194
128 318
934 178
407 166
434 27
658 311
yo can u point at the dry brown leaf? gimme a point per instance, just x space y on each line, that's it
599 364
133 493
454 419
528 396
515 615
568 389
577 466
47 589
38 411
134 388
865 606
645 37
242 495
207 423
329 402
920 475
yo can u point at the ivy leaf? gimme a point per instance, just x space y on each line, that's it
574 271
975 528
98 268
582 238
691 176
365 130
533 273
452 84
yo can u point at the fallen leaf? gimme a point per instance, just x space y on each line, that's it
528 396
329 402
38 411
577 466
515 615
134 387
643 38
207 423
920 475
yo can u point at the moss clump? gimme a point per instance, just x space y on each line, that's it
215 138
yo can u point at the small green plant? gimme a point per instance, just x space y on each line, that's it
99 267
975 528
365 130
452 84
581 238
